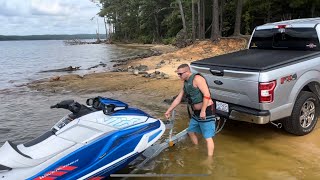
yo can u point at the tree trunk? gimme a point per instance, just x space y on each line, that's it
98 33
215 21
182 17
237 24
193 22
157 35
203 17
111 30
117 29
221 16
313 8
105 26
269 13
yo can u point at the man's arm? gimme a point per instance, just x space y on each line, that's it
175 103
201 83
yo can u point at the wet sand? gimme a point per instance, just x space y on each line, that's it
243 150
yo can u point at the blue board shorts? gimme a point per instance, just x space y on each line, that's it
205 127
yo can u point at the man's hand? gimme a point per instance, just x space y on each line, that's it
203 115
167 114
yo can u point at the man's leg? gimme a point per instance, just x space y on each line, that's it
193 137
208 131
210 146
193 129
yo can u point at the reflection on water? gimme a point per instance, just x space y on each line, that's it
242 150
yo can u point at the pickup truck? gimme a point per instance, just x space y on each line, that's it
275 80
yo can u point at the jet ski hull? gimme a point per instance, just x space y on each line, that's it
93 145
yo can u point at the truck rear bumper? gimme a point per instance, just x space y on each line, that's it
242 116
241 113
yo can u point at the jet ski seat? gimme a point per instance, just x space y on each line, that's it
14 146
39 139
4 168
21 156
13 157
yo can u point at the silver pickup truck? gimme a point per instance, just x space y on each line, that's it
275 80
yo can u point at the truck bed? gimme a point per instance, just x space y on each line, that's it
256 59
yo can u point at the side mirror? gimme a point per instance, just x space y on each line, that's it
108 109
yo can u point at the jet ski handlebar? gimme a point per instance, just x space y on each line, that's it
70 105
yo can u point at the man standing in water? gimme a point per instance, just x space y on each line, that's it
197 91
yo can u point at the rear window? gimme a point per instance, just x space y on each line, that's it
285 38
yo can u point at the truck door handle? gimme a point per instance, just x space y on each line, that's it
216 72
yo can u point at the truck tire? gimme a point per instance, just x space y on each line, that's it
304 115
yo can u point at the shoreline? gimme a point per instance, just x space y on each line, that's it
133 87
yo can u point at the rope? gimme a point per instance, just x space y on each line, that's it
219 128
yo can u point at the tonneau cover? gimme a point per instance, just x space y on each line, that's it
256 59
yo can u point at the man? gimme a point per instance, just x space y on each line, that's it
202 121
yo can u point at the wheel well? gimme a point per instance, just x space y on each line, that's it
306 88
313 87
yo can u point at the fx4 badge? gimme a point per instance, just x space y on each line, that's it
311 45
288 78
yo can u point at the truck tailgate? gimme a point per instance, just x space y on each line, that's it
231 86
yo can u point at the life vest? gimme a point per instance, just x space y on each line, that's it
193 94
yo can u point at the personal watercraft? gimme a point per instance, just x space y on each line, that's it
92 142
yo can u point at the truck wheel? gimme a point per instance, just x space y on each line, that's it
304 115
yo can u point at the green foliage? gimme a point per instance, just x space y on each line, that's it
170 40
151 21
145 39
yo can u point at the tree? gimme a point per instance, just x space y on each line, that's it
215 21
150 21
182 17
237 24
222 3
193 22
201 19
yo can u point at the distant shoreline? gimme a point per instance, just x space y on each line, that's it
50 37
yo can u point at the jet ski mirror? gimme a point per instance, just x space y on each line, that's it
96 103
89 101
108 109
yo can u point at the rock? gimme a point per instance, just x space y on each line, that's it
55 78
67 69
143 68
130 70
165 76
153 75
143 72
136 72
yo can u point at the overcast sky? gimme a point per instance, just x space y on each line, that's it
36 17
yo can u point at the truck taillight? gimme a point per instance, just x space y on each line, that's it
266 91
281 26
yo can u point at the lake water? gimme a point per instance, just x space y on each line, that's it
23 61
